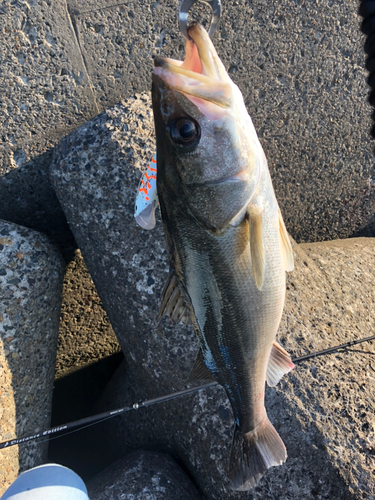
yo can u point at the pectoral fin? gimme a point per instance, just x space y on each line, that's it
279 364
286 245
257 245
172 302
200 370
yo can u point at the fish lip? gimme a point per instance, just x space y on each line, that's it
198 39
201 75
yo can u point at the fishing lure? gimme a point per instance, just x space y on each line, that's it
147 197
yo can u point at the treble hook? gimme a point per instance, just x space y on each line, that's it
183 12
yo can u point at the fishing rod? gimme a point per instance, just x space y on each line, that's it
101 417
333 349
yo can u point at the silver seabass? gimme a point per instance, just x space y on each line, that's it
227 243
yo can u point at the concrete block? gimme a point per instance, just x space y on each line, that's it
31 274
323 410
27 198
142 474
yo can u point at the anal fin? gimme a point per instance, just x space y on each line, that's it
286 245
200 370
172 302
279 364
257 245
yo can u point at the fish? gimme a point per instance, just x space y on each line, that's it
228 245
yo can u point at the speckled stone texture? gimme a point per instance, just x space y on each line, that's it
144 476
95 173
31 274
331 301
44 85
85 333
323 410
28 199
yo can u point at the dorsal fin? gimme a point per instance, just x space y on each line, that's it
279 364
199 370
257 245
286 245
172 302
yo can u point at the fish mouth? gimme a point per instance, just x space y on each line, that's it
201 76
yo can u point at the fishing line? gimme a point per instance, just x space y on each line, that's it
101 417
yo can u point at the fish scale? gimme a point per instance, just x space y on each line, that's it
250 317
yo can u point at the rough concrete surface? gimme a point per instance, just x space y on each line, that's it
330 301
28 199
298 64
95 172
31 273
86 335
44 87
300 68
144 476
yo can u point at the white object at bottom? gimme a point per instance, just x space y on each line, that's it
47 482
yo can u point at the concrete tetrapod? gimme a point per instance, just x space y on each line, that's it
31 275
143 474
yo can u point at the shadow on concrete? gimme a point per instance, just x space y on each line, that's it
27 198
74 396
368 231
155 428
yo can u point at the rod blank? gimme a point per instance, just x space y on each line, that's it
84 422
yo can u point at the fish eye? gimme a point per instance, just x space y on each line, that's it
185 131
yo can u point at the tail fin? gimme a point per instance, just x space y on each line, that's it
253 453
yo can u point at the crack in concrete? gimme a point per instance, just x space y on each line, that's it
71 13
